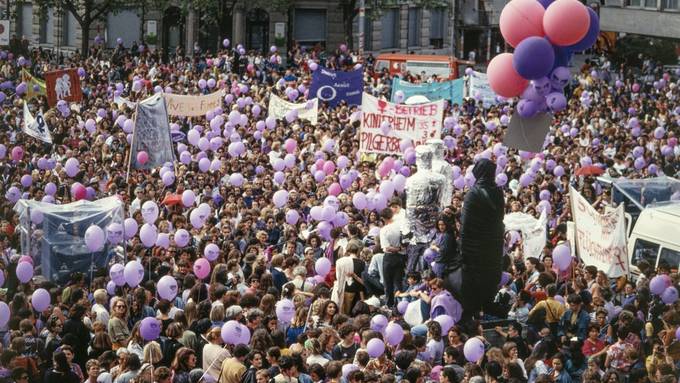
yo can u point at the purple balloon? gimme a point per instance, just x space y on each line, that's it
375 347
40 300
527 108
133 273
670 295
659 284
402 306
556 102
534 58
24 272
562 257
559 78
167 287
473 350
394 334
150 329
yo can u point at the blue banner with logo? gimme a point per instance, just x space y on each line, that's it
448 90
334 87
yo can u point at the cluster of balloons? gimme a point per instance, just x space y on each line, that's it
662 285
544 34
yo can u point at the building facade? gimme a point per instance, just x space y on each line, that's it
656 18
402 27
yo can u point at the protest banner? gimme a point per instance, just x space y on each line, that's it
120 101
479 88
600 238
4 32
334 87
36 127
152 134
451 91
534 231
63 85
416 122
278 108
36 87
192 106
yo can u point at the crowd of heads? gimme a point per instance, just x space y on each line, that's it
554 326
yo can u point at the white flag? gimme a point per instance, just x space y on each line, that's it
36 127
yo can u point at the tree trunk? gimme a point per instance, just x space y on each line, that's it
85 33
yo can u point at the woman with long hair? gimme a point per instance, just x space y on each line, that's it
214 353
314 351
327 313
184 362
61 371
117 327
255 362
100 343
135 341
297 325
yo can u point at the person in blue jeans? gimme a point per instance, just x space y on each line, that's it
575 321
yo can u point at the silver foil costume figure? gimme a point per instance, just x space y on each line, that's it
423 196
439 165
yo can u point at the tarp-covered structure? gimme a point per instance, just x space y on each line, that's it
57 243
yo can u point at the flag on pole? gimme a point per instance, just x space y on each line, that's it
36 87
152 134
36 127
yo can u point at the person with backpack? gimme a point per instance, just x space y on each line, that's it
547 312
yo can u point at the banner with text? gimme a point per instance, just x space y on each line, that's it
63 85
36 127
152 134
192 106
278 108
479 88
534 231
448 90
600 238
417 122
335 86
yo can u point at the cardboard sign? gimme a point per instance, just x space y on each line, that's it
63 85
416 122
192 106
527 134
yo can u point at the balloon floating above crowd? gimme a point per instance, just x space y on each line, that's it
544 38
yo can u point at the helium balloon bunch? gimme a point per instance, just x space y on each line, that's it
544 34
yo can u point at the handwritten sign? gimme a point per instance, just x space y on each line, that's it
600 238
416 122
192 106
278 108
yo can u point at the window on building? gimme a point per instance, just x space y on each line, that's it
650 3
414 24
390 29
47 26
437 27
310 26
69 25
671 4
25 21
368 32
634 3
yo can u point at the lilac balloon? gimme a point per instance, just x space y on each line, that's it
26 180
133 273
292 217
322 266
167 287
94 238
659 284
24 272
375 347
40 300
394 334
150 328
116 273
670 295
473 350
562 257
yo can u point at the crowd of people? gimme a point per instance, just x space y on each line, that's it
602 330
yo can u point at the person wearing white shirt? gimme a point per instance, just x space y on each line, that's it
99 307
393 260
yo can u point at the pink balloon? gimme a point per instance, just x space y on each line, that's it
503 78
142 157
566 22
202 268
521 19
334 189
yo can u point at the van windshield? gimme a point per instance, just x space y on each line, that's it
670 257
645 250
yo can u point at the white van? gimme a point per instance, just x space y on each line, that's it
656 237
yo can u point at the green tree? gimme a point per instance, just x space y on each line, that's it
86 12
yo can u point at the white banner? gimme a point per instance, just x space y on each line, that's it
36 127
479 88
4 32
192 106
120 101
419 123
600 238
534 232
278 108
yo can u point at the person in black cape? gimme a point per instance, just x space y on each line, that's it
473 279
